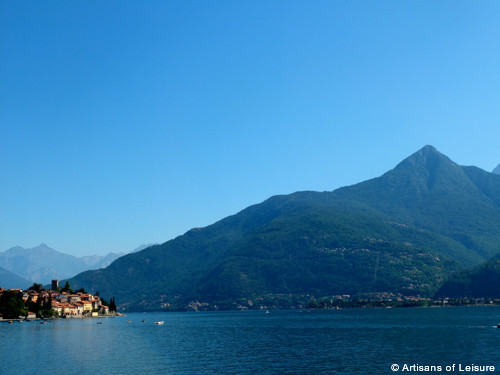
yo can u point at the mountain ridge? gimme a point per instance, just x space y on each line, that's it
42 263
402 232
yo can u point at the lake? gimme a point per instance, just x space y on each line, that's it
351 341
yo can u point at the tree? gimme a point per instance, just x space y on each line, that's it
38 308
112 304
12 305
36 287
67 288
313 304
47 307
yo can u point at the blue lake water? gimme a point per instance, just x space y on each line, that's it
351 341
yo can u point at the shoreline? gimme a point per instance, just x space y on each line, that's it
309 308
2 320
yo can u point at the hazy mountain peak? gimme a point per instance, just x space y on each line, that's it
44 248
42 263
496 170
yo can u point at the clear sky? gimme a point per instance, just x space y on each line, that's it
130 122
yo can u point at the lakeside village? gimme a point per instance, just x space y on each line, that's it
38 303
389 300
308 301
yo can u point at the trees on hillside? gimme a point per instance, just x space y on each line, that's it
12 305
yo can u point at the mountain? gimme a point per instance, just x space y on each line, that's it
404 232
41 264
479 282
433 193
8 280
496 170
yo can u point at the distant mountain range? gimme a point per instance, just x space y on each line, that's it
496 170
41 264
404 232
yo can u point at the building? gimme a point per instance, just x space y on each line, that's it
72 298
57 307
104 310
79 308
87 306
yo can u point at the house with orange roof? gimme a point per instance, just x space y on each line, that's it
87 306
72 298
96 302
57 307
65 308
72 309
33 296
86 296
54 294
79 308
68 309
104 310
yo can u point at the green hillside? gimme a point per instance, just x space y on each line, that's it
482 281
404 232
430 191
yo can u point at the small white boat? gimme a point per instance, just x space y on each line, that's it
160 322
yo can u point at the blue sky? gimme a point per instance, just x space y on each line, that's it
125 122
